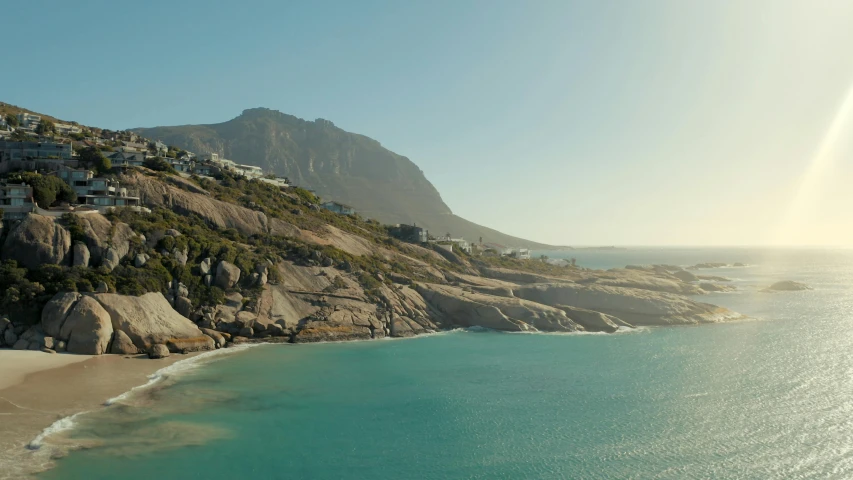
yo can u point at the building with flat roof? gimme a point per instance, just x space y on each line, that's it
97 191
32 150
28 121
339 208
410 233
16 200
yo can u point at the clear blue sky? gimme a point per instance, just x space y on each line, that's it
615 122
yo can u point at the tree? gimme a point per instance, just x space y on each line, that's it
47 190
11 120
93 158
45 127
159 165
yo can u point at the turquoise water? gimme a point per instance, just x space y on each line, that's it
768 398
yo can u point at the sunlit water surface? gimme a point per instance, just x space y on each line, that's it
768 398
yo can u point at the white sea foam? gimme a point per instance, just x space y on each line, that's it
177 368
61 425
180 367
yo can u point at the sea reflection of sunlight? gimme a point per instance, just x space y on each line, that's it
795 220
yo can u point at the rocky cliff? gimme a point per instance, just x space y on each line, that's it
339 165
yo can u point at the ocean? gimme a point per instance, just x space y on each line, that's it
770 397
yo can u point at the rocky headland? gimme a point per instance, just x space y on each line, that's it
222 263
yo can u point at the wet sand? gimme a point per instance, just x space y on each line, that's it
37 389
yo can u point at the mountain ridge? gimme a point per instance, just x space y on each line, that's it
339 165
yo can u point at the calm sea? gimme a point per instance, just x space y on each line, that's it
766 398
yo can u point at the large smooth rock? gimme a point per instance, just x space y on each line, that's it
37 241
227 275
150 319
158 351
88 328
56 310
122 344
80 255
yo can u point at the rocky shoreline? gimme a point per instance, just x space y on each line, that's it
201 273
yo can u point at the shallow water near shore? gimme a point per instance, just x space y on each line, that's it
765 398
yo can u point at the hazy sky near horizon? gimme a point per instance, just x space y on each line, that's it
679 122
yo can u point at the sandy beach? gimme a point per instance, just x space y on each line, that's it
37 389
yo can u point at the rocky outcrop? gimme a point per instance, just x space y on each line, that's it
108 243
227 275
594 321
715 287
787 286
635 306
471 309
516 276
88 328
37 241
184 202
654 281
685 276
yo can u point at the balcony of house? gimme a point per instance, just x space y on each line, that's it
16 212
111 200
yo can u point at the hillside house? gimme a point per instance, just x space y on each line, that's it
409 233
34 156
67 128
338 208
33 150
461 243
16 200
249 171
183 165
28 121
161 148
123 160
97 191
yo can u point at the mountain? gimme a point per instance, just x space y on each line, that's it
339 165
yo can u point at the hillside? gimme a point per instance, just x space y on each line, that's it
338 165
